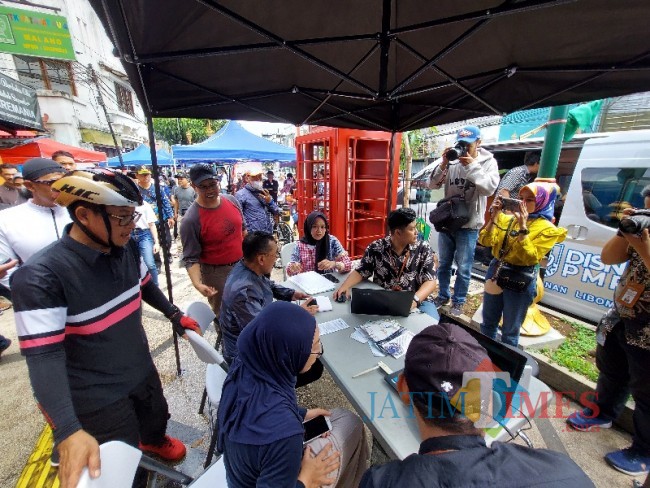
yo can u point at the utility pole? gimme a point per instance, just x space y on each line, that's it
100 100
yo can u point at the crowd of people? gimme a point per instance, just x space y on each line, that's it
80 251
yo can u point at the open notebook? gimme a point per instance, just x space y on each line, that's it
312 283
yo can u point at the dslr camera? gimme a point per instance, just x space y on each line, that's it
458 151
635 223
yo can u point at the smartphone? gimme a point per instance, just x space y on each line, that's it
316 427
331 277
4 259
511 204
312 302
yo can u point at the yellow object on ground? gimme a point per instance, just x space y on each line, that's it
38 472
535 324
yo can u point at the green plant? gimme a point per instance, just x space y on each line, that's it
573 354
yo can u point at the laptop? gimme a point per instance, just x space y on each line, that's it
381 302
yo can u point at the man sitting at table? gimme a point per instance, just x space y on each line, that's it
398 262
248 290
453 451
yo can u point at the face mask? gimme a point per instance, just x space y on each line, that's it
257 185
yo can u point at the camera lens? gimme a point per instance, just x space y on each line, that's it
452 154
629 226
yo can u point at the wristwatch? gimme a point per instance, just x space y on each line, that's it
524 232
417 301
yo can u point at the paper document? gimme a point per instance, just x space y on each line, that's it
388 336
312 283
324 303
332 326
359 335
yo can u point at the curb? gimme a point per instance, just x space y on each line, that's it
564 381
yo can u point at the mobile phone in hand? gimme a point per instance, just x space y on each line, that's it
4 259
511 204
331 277
312 302
316 427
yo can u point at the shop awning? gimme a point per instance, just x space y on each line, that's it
98 137
44 148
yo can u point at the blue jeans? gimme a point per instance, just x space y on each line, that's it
430 309
145 243
513 315
458 246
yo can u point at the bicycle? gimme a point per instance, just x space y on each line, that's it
283 232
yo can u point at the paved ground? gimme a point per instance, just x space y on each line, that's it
21 423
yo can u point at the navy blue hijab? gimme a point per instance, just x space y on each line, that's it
258 403
323 245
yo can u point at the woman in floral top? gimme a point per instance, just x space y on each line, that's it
318 250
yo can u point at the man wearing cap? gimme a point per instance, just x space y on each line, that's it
271 185
183 195
148 192
398 262
453 450
474 175
31 226
10 194
257 204
65 159
212 232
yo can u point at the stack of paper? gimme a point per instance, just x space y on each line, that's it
312 283
388 336
332 326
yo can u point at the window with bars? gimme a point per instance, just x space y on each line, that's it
46 74
124 99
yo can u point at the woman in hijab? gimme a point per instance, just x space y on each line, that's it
318 250
518 242
260 422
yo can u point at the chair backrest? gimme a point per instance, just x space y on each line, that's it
285 255
203 349
213 477
119 464
202 313
215 376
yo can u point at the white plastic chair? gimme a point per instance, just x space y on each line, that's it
213 477
203 349
119 464
215 376
202 313
285 255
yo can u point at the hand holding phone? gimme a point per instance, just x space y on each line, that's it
316 427
511 204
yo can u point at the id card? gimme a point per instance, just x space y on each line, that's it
630 295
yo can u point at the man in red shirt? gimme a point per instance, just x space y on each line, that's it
212 232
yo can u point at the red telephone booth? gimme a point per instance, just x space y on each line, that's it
345 173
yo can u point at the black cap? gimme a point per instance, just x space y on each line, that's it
201 172
34 168
438 356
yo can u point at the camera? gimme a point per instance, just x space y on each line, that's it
635 223
511 204
458 151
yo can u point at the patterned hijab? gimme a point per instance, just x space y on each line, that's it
545 196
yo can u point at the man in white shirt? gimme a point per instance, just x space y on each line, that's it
146 235
27 228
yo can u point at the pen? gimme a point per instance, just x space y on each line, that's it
379 365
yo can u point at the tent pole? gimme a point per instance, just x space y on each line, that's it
552 143
391 165
163 235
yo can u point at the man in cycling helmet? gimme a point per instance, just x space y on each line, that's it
78 306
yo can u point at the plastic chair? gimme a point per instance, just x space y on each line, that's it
215 376
202 313
285 256
119 464
213 477
203 349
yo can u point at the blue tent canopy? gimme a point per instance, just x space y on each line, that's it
141 155
233 143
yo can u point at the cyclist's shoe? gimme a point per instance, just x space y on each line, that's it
169 449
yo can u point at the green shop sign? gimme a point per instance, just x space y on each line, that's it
34 34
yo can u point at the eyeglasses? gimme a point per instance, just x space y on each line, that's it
47 182
322 350
208 187
124 220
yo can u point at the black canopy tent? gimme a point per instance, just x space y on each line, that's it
391 65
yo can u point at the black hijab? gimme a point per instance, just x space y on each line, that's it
323 245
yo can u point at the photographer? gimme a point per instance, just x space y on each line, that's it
623 351
465 170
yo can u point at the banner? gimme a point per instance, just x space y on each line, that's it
18 105
35 34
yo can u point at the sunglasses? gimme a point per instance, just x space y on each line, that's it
124 220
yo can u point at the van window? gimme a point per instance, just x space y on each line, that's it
606 192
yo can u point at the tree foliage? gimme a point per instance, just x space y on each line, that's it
175 131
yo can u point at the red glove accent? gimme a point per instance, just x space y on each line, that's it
190 323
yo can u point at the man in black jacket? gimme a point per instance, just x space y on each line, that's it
453 452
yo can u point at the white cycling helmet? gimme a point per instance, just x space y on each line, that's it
99 186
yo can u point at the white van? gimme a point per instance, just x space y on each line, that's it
601 175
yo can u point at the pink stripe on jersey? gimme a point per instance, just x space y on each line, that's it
42 341
146 279
108 321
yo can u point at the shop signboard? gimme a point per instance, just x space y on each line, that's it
18 105
35 34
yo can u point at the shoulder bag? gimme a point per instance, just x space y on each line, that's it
510 276
451 213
